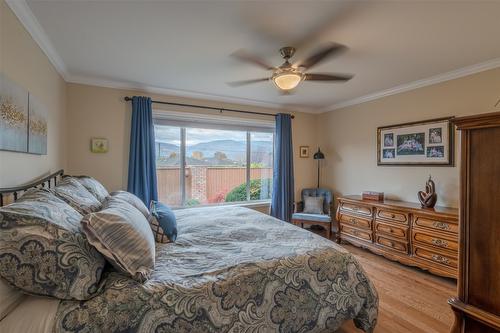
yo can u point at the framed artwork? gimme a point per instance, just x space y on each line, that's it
304 151
99 145
37 127
425 143
13 116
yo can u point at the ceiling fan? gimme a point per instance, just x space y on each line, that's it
288 76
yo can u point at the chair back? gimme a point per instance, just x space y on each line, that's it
317 192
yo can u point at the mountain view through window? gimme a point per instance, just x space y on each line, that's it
217 165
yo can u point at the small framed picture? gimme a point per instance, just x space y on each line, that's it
389 140
304 151
99 145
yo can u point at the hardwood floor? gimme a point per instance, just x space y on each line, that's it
411 300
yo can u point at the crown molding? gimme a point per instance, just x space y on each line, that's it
31 24
92 81
454 74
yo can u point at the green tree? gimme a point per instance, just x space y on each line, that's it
239 193
257 165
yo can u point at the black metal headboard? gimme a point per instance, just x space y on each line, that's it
14 192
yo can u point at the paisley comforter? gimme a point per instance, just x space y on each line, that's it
233 270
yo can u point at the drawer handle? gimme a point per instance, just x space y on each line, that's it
393 216
441 225
440 259
353 221
391 230
439 242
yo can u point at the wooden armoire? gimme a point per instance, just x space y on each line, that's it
477 307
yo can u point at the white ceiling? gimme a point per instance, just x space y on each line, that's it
184 46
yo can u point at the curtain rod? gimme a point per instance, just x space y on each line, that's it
127 98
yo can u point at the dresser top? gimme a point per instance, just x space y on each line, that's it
403 204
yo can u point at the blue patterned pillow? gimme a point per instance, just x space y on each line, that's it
163 223
77 196
43 251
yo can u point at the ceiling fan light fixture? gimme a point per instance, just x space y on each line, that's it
287 80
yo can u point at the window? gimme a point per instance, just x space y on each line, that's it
212 163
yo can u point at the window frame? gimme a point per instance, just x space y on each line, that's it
185 120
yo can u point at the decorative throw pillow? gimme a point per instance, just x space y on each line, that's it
163 223
42 250
123 235
134 201
94 187
76 195
313 205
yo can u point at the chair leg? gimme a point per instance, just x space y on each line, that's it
329 231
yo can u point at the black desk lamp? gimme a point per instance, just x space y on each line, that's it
319 156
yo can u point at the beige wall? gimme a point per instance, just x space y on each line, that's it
102 112
348 137
24 62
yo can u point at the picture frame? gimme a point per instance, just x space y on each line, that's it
37 127
14 117
99 145
304 151
23 119
421 143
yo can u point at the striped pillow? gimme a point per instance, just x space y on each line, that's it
134 201
94 187
123 235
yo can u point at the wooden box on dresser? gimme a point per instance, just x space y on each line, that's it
477 307
402 231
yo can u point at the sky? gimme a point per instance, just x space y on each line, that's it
170 134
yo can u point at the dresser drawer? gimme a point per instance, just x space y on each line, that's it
357 209
350 231
437 241
392 244
435 256
355 221
391 230
393 216
425 222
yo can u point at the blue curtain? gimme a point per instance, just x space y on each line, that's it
283 190
142 159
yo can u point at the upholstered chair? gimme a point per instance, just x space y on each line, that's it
323 218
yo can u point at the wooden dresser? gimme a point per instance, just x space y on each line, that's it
477 307
402 231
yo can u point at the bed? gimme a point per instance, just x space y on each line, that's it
231 269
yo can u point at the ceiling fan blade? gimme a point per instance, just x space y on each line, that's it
327 77
252 58
245 82
322 54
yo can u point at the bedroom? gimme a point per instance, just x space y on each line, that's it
397 65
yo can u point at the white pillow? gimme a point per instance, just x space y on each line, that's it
9 299
313 205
